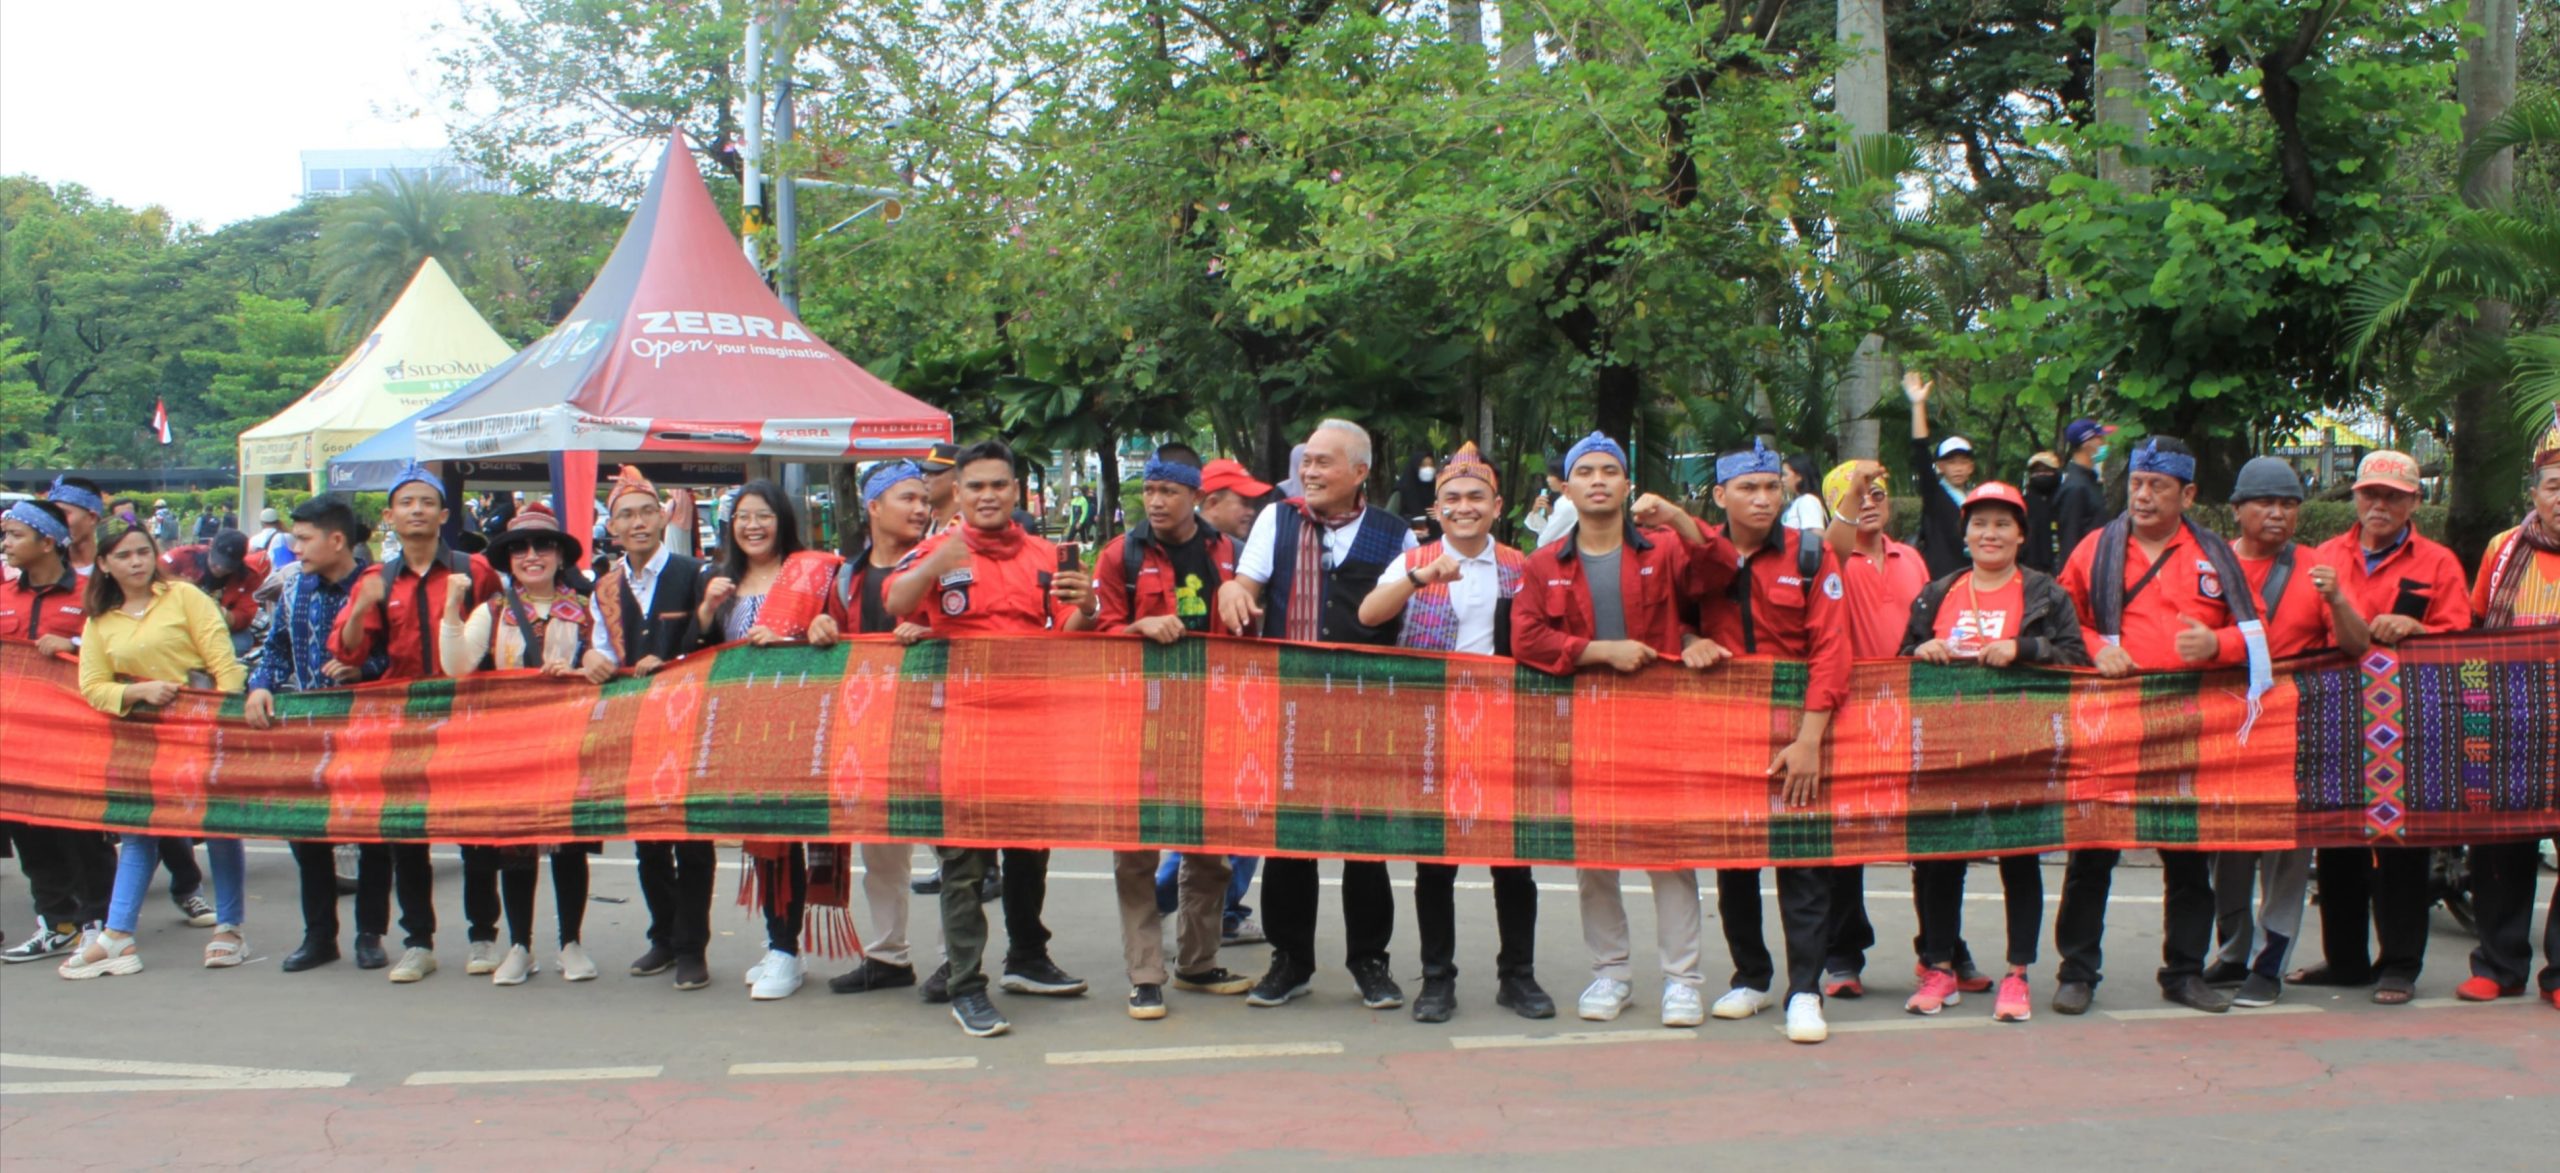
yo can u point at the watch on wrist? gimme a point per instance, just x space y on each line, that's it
1415 579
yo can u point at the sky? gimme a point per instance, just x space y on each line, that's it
205 108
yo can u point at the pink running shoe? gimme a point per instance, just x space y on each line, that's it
1937 992
2014 1004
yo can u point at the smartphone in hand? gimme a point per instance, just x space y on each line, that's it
1070 556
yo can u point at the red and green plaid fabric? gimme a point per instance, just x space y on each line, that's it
1261 748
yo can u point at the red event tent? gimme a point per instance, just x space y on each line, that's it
678 347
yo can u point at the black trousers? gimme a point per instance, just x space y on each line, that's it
1289 891
1937 891
1804 908
413 881
178 854
784 919
2503 879
1515 916
318 863
1026 895
676 881
70 874
1846 931
489 888
2080 928
2386 887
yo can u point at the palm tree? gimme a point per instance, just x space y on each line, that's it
2505 252
372 242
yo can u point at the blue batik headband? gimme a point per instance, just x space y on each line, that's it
886 477
2149 458
26 514
416 473
65 493
1175 471
1595 442
1742 464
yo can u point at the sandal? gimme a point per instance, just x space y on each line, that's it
227 949
103 956
2396 991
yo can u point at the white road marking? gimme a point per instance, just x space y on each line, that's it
531 1075
2158 1012
170 1077
1190 1054
855 1066
1580 1038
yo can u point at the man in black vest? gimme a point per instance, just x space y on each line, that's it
645 617
1307 566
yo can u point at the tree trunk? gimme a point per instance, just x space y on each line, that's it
1466 22
1519 38
2483 438
2124 34
1861 87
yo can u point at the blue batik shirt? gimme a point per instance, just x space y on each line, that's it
297 645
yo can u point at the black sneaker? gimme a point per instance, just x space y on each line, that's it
2225 973
2073 997
977 1015
314 953
1521 995
937 988
693 972
369 954
1378 988
1438 1001
1287 982
194 909
1218 980
2258 990
2192 992
1040 976
659 959
873 974
927 885
1146 1002
45 943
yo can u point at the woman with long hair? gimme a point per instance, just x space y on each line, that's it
770 590
536 620
145 637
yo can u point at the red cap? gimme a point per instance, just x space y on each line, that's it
1227 474
1994 493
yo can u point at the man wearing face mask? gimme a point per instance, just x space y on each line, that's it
2079 502
2042 547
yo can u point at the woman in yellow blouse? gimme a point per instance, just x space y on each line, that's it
146 636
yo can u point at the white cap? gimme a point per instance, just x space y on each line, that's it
1954 446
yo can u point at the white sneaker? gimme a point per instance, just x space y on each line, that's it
575 965
1680 1005
414 965
1605 998
484 958
1741 1002
1804 1019
514 968
778 976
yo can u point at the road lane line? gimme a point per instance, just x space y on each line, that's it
535 1075
2183 1012
1191 1054
855 1066
1584 1038
302 1081
146 1067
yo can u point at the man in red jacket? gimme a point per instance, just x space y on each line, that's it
227 569
2405 584
70 874
1789 601
987 575
1617 594
2156 593
1160 580
397 608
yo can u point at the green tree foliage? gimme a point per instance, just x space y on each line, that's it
278 349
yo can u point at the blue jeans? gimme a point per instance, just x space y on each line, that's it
140 856
1237 910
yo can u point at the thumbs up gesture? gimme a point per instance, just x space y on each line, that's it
2197 643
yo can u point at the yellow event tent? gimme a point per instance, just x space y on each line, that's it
430 344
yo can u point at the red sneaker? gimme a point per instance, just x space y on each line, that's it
1843 985
2015 1004
2480 989
1968 979
1937 992
2555 999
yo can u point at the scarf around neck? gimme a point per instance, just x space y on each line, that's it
997 544
2506 579
1306 578
2108 595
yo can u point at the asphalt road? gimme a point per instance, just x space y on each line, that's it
183 1067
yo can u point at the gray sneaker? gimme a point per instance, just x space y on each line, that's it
2258 990
414 965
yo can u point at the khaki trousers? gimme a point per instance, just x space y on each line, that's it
1199 913
1678 924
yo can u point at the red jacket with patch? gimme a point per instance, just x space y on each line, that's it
1777 611
1661 579
1158 592
32 612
